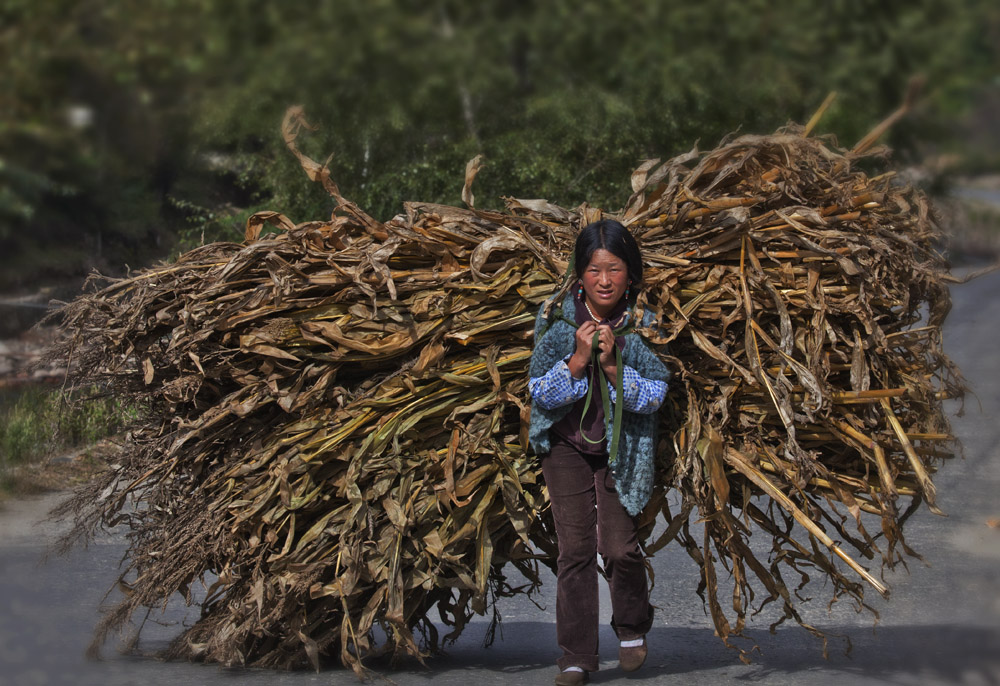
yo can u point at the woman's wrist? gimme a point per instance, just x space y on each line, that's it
577 366
610 371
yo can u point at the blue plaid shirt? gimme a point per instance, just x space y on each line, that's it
558 387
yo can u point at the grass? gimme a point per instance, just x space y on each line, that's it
41 423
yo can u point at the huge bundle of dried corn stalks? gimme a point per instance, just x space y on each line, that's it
336 435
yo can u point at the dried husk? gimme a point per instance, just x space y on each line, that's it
336 436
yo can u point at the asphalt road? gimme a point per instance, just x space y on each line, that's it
941 625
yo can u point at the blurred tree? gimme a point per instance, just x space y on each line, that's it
79 118
126 123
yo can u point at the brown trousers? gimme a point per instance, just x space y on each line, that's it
589 519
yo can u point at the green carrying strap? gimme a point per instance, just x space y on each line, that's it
567 279
600 378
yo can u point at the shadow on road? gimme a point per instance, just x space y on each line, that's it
939 654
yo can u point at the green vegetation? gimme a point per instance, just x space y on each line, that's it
43 422
129 125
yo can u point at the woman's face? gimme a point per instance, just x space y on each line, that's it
604 279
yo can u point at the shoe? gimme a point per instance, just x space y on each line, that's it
573 678
631 659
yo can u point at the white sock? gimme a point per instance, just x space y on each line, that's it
573 669
634 643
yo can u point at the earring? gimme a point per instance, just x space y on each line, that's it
628 290
579 291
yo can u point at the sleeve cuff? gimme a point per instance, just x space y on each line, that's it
630 386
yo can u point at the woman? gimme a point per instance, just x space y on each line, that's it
599 475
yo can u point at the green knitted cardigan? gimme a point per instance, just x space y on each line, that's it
635 467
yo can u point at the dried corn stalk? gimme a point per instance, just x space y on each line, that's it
338 411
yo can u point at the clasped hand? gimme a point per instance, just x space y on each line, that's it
581 355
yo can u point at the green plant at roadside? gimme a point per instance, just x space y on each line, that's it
43 422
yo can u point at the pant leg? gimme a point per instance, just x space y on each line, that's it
618 543
569 477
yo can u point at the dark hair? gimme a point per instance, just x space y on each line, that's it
617 240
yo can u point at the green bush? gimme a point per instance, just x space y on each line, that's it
41 422
134 128
24 428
